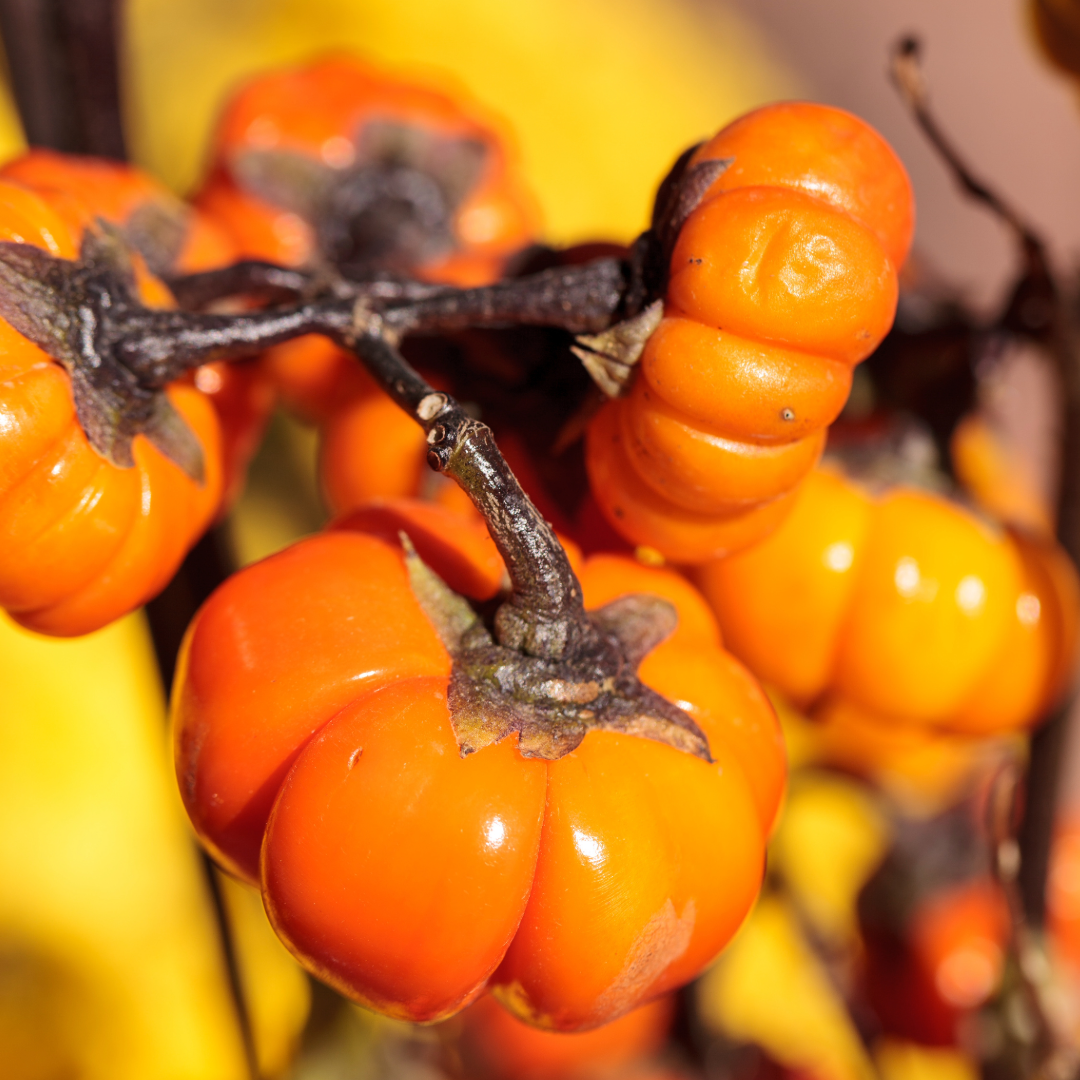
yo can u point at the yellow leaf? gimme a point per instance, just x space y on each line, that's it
769 988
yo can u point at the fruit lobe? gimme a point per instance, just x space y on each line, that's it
905 606
315 751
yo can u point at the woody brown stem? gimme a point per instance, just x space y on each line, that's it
575 298
160 346
552 672
580 298
274 283
544 615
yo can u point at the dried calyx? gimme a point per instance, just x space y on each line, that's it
553 702
76 310
391 206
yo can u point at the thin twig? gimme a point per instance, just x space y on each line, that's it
907 74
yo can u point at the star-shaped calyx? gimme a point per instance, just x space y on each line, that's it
389 209
552 704
79 311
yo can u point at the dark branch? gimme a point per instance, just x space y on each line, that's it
280 284
545 615
63 56
160 346
576 298
906 71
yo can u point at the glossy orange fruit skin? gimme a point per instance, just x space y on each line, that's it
824 152
498 1046
370 448
906 606
316 757
320 110
405 834
83 542
645 517
782 279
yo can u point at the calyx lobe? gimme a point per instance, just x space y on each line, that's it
74 310
552 704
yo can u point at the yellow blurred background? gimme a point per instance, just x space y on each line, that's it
603 95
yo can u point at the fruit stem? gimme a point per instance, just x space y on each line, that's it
544 615
271 282
580 299
159 347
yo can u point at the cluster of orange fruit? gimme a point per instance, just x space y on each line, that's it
888 609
